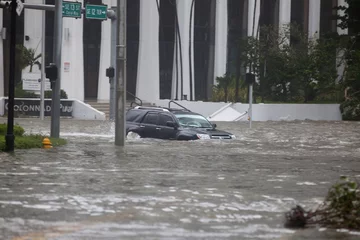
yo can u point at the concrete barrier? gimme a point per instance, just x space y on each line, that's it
30 107
262 112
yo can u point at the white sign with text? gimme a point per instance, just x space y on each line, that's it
32 82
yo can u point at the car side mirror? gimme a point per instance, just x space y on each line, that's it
171 124
214 125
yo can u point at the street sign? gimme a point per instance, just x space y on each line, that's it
96 12
19 7
71 9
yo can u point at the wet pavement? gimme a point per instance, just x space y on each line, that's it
154 189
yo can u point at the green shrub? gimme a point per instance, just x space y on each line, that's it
31 141
18 130
20 93
26 141
63 94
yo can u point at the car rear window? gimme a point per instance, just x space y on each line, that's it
134 115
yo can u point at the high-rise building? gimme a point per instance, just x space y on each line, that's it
175 48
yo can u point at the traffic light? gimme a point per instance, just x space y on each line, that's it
250 78
51 72
110 72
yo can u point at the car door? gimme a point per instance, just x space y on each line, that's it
148 125
164 131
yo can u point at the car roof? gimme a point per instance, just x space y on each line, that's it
164 109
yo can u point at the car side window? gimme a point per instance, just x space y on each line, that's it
151 118
163 119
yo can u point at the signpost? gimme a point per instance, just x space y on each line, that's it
98 12
71 9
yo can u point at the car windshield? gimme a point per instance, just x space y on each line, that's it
193 120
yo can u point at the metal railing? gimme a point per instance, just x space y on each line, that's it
178 105
136 98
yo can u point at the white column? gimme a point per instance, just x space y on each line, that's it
251 22
147 87
33 29
72 66
284 13
2 75
314 18
341 13
340 61
183 11
104 85
221 33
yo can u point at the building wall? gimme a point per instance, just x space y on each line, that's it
157 68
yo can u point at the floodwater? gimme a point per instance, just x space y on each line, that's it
154 189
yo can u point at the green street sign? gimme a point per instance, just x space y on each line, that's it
71 9
96 12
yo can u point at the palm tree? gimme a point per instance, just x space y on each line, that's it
27 58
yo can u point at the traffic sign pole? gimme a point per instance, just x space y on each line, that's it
42 88
113 64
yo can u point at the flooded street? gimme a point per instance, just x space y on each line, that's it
154 189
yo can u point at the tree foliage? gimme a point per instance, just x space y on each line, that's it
350 20
290 67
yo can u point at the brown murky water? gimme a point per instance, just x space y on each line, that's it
153 189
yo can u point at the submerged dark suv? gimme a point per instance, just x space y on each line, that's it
168 123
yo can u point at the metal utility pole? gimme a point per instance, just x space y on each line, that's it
10 138
114 36
120 74
42 88
55 103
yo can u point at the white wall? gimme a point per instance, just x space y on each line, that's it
221 34
1 57
205 108
251 22
277 112
33 29
314 18
267 112
72 81
284 12
147 87
84 111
